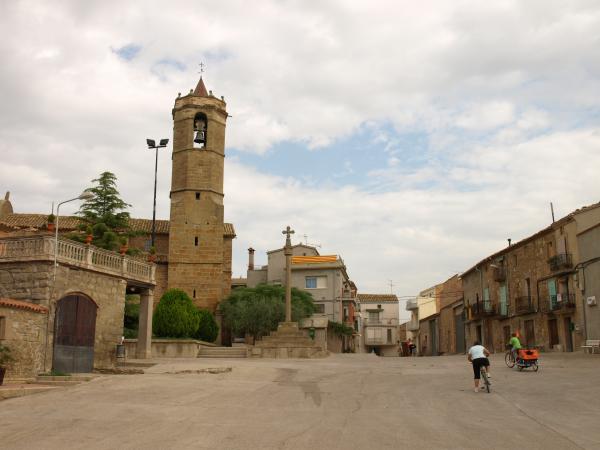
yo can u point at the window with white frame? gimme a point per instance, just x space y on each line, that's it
319 308
315 282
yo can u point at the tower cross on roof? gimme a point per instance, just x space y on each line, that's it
202 65
288 231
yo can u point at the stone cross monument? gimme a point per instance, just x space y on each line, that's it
287 251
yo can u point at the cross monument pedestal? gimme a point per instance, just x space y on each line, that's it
288 341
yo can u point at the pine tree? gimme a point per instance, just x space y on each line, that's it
106 206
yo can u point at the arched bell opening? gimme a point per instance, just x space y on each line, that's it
74 334
200 130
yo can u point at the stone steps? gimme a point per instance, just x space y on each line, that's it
20 390
222 352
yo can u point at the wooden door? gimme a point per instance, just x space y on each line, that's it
568 335
459 327
74 334
529 334
489 336
553 332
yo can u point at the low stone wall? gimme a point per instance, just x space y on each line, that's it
169 348
24 334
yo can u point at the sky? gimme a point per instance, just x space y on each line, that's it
410 138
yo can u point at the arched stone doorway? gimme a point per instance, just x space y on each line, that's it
74 333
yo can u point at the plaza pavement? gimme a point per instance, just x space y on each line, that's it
341 402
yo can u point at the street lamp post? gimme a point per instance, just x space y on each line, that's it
152 145
85 195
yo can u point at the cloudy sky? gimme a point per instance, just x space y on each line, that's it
411 138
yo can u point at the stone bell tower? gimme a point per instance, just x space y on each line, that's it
196 242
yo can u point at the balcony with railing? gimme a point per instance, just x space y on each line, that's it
481 309
558 302
368 322
380 336
411 304
560 261
524 305
43 248
413 325
503 309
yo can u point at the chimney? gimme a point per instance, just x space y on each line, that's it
250 258
509 239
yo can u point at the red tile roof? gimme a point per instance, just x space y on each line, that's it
377 298
67 223
20 304
201 89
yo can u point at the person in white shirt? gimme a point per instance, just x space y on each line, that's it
478 356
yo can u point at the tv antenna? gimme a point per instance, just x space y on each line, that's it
307 243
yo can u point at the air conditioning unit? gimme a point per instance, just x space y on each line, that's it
591 301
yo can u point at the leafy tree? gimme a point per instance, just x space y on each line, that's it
106 206
132 316
208 330
175 315
258 311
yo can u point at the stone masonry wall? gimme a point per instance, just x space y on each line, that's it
32 282
24 334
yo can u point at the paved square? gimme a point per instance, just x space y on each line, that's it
342 402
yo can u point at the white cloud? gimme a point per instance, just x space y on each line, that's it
519 79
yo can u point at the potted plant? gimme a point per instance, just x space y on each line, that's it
90 235
5 358
51 219
124 247
152 255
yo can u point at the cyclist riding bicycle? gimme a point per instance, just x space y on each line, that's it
477 355
515 345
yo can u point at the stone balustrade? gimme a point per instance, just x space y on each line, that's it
40 248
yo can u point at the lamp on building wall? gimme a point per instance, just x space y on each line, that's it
152 145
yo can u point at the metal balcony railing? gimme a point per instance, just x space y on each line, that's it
561 301
380 322
524 305
561 261
481 309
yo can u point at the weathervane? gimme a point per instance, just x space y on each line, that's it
202 65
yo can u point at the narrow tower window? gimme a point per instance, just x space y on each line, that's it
196 241
200 124
194 293
197 195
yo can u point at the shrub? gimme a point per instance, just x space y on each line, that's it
175 315
259 310
208 330
5 356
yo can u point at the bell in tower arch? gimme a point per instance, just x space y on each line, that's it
200 130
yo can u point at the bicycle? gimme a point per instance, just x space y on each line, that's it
529 360
509 359
486 380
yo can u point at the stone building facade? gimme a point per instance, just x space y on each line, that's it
194 248
85 278
197 247
531 288
436 322
22 329
588 281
